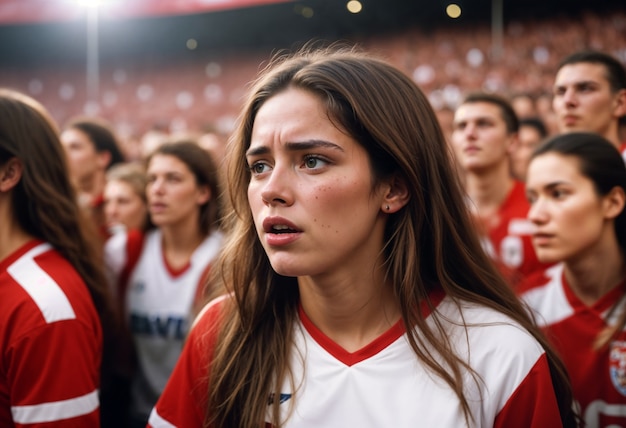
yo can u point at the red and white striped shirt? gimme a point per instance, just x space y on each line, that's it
50 340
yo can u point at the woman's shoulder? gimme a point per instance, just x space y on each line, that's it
486 331
211 314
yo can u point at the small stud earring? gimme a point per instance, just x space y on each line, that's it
387 207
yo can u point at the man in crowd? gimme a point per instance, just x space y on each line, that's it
590 95
485 132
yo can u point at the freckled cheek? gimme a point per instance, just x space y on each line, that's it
334 206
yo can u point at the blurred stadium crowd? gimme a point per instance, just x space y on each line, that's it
205 94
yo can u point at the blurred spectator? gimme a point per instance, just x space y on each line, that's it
532 132
590 95
524 105
485 132
125 204
161 273
577 188
58 327
153 139
92 148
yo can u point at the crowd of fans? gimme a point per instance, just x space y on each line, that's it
144 165
446 63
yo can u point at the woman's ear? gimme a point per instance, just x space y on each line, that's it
614 202
10 174
396 195
204 195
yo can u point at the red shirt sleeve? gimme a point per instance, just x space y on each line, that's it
183 402
533 404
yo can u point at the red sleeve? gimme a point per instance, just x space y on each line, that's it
533 404
183 402
54 376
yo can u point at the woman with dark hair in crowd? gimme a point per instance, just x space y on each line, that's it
357 293
56 323
161 274
577 189
92 148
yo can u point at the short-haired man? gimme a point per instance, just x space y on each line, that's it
485 132
590 95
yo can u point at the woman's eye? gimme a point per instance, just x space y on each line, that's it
312 162
258 168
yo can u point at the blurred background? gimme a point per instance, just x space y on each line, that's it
184 65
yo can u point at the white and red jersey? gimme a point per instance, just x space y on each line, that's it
159 304
598 376
508 237
384 384
50 340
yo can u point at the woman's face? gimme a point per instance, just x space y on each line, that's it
83 159
571 219
311 193
124 206
172 191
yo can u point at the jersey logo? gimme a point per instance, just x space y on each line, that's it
281 400
512 251
617 365
138 286
166 327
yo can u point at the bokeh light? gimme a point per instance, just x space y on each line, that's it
453 10
354 6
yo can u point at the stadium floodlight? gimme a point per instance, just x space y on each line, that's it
92 3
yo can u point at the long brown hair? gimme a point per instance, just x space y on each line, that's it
429 243
44 202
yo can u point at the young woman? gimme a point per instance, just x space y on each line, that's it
92 148
577 189
163 272
125 203
55 313
357 293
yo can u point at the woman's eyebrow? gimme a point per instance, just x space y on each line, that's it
296 146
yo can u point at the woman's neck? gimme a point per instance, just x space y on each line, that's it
353 312
12 236
179 242
593 275
488 191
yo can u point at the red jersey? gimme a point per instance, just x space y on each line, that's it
508 239
383 384
598 376
50 340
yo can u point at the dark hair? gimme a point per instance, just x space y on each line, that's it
202 166
536 123
602 163
615 71
102 136
429 244
506 109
